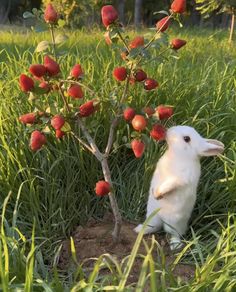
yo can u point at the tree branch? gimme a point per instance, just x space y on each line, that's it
81 142
90 140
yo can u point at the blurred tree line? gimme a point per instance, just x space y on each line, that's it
78 13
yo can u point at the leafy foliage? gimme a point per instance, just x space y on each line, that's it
209 6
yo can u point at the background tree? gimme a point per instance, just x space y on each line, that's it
208 7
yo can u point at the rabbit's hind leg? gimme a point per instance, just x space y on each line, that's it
176 230
154 225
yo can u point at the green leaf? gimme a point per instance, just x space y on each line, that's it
40 27
61 23
42 46
39 90
61 38
28 14
161 12
66 127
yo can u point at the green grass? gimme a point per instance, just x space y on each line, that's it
54 187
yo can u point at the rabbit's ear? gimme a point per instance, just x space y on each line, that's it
211 147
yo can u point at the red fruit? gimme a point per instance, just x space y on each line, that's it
37 140
26 83
139 123
176 44
140 75
158 132
129 114
57 122
107 38
75 91
29 118
102 188
149 111
50 14
164 112
76 71
109 15
120 73
37 70
137 42
178 6
150 84
59 134
163 24
45 86
87 109
51 66
138 147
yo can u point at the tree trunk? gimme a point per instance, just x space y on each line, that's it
137 13
121 10
232 28
4 12
113 202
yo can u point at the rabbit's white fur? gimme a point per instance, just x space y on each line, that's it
174 183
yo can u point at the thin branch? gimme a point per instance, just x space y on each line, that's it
53 41
90 140
123 41
81 142
158 31
116 118
161 53
64 99
111 135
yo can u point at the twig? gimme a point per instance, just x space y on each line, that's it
123 41
158 31
90 140
116 118
82 142
64 99
150 60
53 41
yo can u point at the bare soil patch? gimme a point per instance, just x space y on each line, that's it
95 239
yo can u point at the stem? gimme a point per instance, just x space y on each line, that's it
123 40
64 99
158 31
81 142
116 118
161 53
232 28
113 202
53 41
94 149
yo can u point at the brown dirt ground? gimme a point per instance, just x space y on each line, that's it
95 239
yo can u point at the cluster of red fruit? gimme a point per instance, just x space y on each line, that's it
139 123
42 78
46 78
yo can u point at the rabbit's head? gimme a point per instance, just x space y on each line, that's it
186 142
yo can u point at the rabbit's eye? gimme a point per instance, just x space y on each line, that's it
187 139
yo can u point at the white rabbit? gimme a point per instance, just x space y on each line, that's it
174 183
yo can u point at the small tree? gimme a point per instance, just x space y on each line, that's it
206 7
48 79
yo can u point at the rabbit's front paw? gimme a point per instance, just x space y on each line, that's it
138 228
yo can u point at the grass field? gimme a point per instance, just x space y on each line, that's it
51 192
